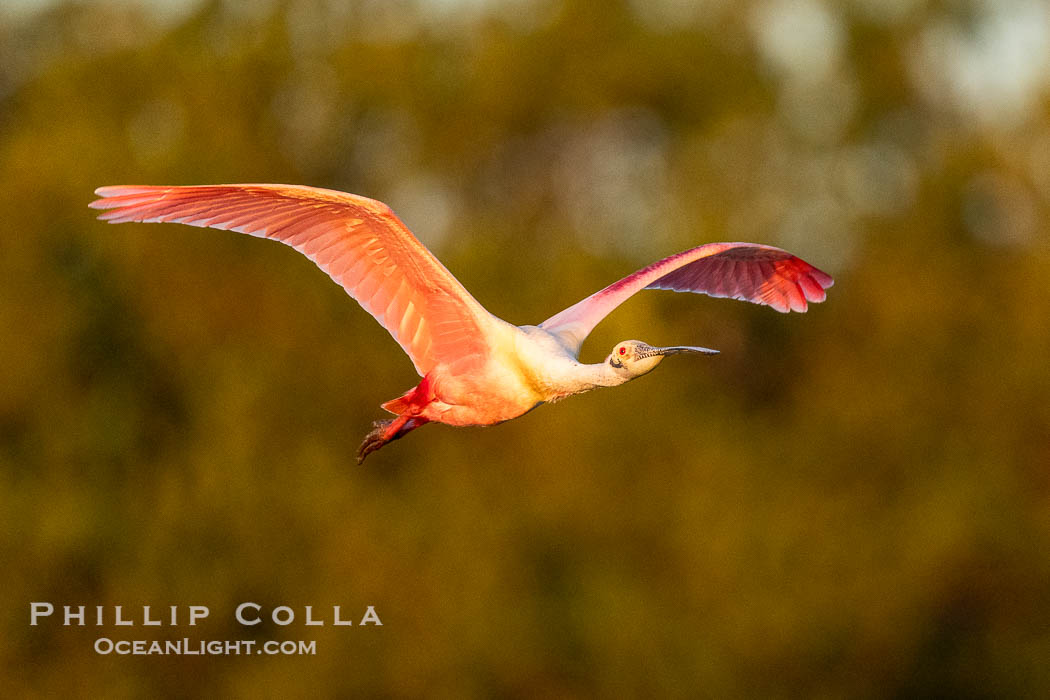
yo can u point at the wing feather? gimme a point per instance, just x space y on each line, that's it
748 271
359 242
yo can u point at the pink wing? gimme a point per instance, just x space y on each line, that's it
757 273
359 242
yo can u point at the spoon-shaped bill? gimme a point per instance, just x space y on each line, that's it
677 349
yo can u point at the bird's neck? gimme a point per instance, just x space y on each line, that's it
598 375
552 369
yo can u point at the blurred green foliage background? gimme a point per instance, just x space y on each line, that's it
851 502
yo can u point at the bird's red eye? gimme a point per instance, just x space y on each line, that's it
623 350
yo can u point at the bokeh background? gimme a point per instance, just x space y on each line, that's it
854 502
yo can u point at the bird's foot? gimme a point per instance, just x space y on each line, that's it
376 438
384 431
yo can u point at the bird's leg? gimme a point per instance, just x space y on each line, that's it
384 431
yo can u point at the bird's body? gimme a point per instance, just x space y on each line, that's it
477 369
525 367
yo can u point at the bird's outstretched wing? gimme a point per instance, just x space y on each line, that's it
757 273
359 242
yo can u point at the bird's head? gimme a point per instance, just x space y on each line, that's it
633 358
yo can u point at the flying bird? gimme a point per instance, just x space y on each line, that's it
477 369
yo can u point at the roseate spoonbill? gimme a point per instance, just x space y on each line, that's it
477 369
